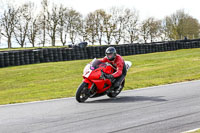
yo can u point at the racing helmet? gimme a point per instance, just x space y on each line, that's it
111 53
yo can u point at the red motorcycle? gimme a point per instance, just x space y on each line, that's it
95 84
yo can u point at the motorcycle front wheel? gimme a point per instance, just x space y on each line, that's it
82 92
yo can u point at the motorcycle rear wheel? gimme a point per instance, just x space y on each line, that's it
117 91
82 92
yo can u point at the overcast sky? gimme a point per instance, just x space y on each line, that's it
147 8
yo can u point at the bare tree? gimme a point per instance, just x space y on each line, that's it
83 31
33 30
91 28
8 22
109 28
74 26
52 24
100 16
118 18
180 24
45 5
21 27
154 29
151 29
0 33
131 26
62 24
144 30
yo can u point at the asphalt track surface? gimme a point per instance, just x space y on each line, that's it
170 108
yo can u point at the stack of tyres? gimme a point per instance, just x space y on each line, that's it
64 54
77 53
11 58
36 56
127 52
123 50
102 51
26 57
180 46
94 53
31 56
187 45
85 54
195 45
17 60
60 57
89 51
135 48
117 49
140 49
161 47
73 54
50 54
68 55
55 54
82 54
145 48
41 55
165 46
198 44
150 48
97 49
21 57
174 45
130 49
154 47
157 47
1 60
6 59
46 55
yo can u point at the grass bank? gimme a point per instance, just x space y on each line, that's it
60 79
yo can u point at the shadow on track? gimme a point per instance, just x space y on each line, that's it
126 99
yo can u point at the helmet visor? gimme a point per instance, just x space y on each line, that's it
110 56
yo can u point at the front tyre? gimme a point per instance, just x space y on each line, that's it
82 92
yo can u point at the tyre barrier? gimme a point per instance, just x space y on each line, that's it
2 60
22 57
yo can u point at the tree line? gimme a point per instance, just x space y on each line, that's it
57 23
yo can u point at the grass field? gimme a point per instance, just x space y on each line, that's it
60 79
197 131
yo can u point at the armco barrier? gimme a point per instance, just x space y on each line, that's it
22 57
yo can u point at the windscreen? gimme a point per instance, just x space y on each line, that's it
96 64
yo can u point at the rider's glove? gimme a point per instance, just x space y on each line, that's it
109 76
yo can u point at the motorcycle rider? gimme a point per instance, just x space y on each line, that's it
118 63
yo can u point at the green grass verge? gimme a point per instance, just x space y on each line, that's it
60 79
198 131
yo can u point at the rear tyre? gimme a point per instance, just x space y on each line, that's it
116 91
82 93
